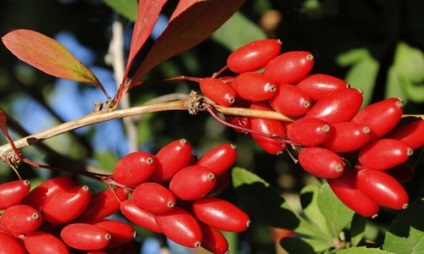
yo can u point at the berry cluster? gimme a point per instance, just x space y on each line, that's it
362 152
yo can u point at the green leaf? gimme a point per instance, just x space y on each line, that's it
406 233
49 56
363 250
410 62
337 214
304 245
238 31
399 85
357 229
127 8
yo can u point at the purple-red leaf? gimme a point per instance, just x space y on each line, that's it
49 56
192 22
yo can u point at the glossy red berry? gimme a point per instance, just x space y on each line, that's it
412 133
181 227
218 91
347 137
382 189
171 158
308 131
347 191
213 240
121 233
67 205
83 236
21 219
319 85
254 55
138 216
340 106
289 67
290 101
10 244
381 117
219 159
154 198
134 168
220 214
321 162
383 154
12 193
254 86
192 182
40 242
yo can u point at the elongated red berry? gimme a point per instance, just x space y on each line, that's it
103 204
337 107
411 133
83 236
40 195
21 219
308 131
12 193
381 117
321 162
121 233
171 158
346 190
274 131
254 55
289 67
67 205
10 244
383 154
181 227
290 101
139 216
218 91
220 214
347 137
213 240
192 182
382 189
154 198
134 168
254 86
319 85
219 159
40 242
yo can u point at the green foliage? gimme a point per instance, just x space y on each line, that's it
127 8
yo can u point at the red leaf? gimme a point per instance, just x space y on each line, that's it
191 23
3 125
48 55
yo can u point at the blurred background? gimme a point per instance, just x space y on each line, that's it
375 45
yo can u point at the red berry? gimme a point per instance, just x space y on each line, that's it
138 216
12 193
317 86
154 198
83 236
67 205
321 162
219 159
134 168
10 244
254 86
213 240
382 189
411 133
289 67
218 91
121 232
346 190
192 182
44 243
380 117
308 131
290 101
41 194
171 158
347 137
383 154
254 55
181 227
220 214
269 127
103 204
337 107
21 219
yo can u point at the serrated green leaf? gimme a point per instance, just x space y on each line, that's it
406 233
127 8
238 31
304 245
363 250
337 214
